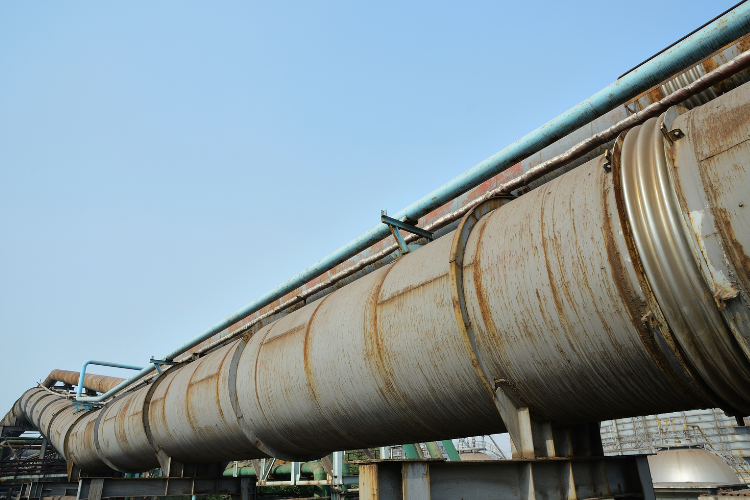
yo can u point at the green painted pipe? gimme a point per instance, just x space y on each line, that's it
451 450
411 451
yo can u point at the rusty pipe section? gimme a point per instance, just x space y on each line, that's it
618 289
98 383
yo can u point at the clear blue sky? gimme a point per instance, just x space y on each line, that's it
164 163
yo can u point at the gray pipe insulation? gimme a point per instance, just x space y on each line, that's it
618 289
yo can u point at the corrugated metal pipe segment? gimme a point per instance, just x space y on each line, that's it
618 289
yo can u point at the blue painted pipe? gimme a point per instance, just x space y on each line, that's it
100 363
682 55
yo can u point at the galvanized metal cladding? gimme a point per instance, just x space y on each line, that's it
618 289
680 247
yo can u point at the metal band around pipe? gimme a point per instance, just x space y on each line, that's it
246 429
68 432
52 421
160 454
99 452
456 270
30 413
40 417
250 433
25 402
514 412
655 319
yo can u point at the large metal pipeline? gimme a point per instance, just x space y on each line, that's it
618 289
725 29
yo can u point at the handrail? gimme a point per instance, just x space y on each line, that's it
687 52
79 389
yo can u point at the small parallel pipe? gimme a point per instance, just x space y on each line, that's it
686 53
723 72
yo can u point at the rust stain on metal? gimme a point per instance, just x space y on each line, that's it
743 44
415 288
548 260
710 64
280 336
458 296
735 250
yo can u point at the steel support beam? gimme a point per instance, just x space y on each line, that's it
97 488
241 488
548 479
